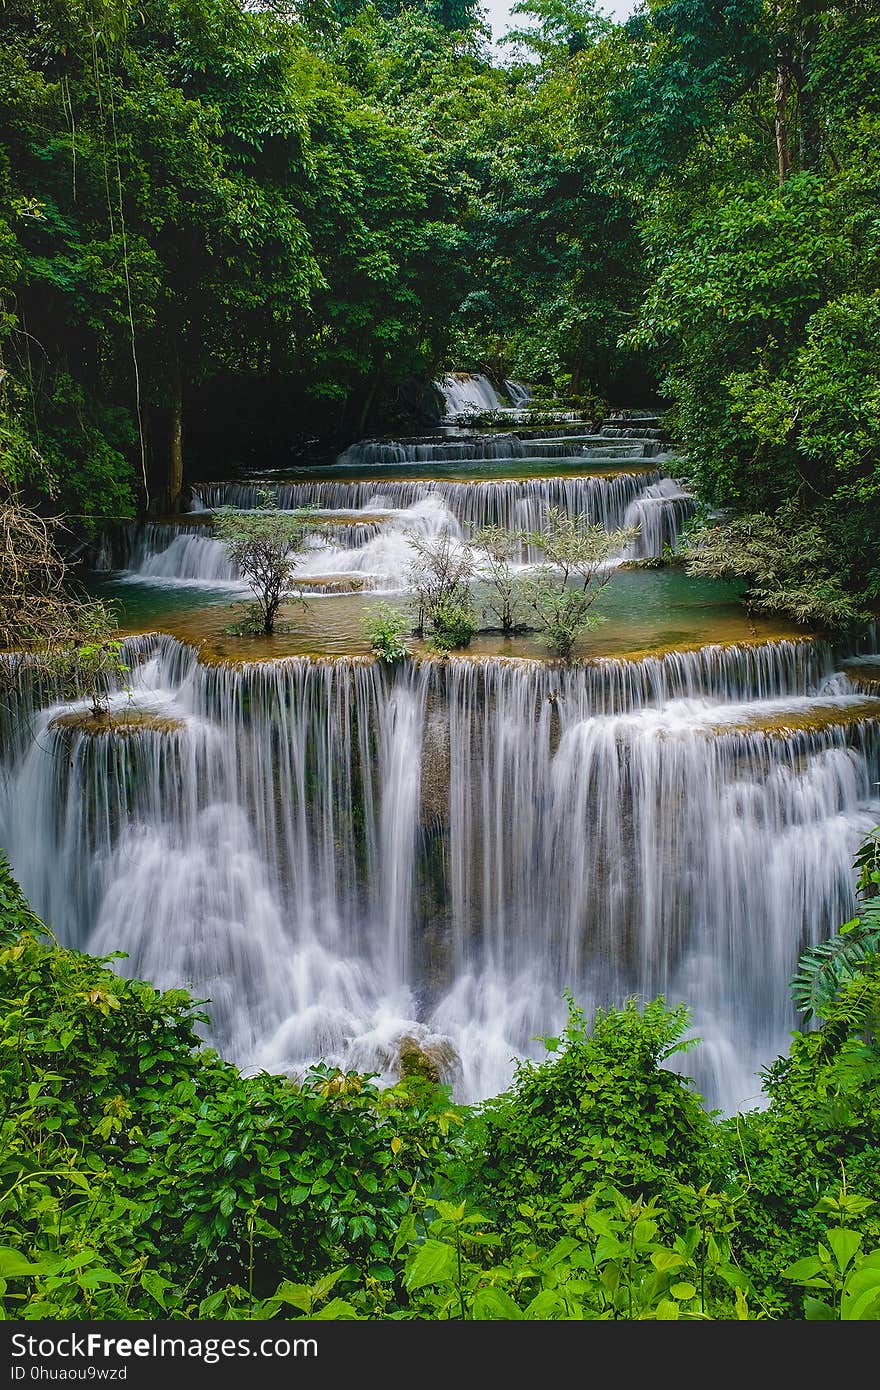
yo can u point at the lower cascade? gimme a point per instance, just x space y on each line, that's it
342 857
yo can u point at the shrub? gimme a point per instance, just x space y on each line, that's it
385 628
602 1108
452 625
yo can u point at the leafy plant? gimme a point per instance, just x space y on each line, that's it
264 544
498 549
839 980
452 625
440 575
386 629
561 591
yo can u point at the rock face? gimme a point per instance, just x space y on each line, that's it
434 1060
415 1062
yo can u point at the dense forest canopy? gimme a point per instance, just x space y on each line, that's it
227 230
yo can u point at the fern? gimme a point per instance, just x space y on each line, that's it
838 980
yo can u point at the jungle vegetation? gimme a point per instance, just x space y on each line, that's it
229 227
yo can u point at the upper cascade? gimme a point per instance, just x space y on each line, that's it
390 453
473 393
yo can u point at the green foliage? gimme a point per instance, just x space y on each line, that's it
440 575
787 560
849 1279
192 200
611 1263
264 544
559 593
498 551
603 1108
838 981
751 137
452 626
386 629
142 1177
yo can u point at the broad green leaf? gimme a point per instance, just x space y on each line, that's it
817 1310
665 1261
299 1295
492 1304
860 1295
97 1278
845 1245
323 1286
405 1233
683 1291
804 1271
15 1266
155 1286
433 1263
337 1309
544 1305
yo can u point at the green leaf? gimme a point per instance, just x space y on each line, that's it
861 1295
299 1295
155 1286
845 1245
492 1304
323 1286
337 1309
97 1278
682 1291
433 1263
805 1271
544 1306
666 1260
14 1265
817 1310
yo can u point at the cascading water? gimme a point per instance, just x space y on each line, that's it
161 553
512 502
659 513
468 392
341 857
385 453
519 393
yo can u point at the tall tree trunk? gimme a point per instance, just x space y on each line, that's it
808 111
175 459
780 107
368 403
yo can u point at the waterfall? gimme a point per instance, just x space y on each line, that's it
377 549
185 552
192 554
510 502
519 394
659 512
394 453
466 392
340 856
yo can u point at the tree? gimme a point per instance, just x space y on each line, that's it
44 624
498 549
440 575
784 560
264 544
561 591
